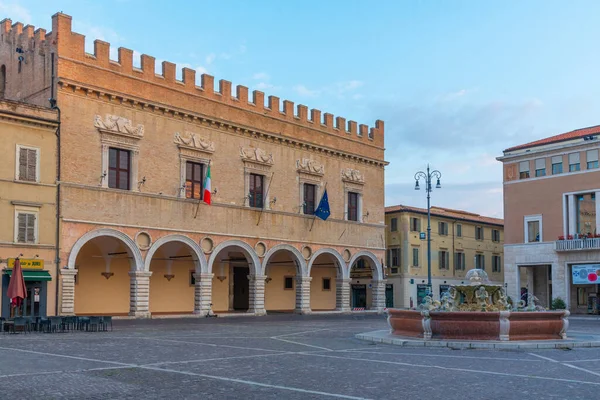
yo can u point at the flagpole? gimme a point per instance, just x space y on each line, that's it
314 216
266 197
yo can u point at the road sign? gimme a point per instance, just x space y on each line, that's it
423 236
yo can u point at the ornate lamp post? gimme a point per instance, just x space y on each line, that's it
426 176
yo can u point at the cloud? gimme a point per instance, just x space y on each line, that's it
15 11
306 92
261 76
201 70
210 58
264 86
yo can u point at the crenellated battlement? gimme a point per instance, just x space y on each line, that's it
71 46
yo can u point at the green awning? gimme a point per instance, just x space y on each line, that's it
32 274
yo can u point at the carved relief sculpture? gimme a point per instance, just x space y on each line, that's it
117 124
309 166
254 154
194 141
352 175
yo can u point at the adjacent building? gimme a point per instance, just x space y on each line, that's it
460 241
551 213
137 236
28 203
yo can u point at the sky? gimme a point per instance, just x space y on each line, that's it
456 82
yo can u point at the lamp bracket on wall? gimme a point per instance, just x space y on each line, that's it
169 277
107 275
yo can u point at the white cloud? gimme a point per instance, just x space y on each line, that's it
15 11
201 70
261 76
263 86
306 92
210 58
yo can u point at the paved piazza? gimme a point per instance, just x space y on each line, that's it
280 357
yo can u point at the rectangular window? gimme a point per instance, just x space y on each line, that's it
459 230
28 168
585 213
574 162
479 233
524 170
415 256
119 165
326 283
495 235
288 282
557 165
581 297
415 225
480 261
533 229
443 228
26 232
496 264
395 257
540 167
459 260
194 173
256 191
352 206
592 159
309 198
444 262
192 277
394 223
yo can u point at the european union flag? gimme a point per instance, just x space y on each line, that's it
322 210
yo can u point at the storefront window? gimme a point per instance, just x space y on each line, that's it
581 297
586 214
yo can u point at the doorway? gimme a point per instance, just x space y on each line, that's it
359 296
241 288
389 296
33 306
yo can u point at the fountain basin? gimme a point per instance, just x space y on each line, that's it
473 325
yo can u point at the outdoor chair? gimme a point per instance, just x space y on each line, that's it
106 321
19 322
94 324
56 324
2 324
44 324
70 323
83 323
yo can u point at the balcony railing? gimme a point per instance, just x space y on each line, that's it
577 244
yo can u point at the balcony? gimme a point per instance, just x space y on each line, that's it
577 244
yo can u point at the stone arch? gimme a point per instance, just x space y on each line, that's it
378 272
248 251
137 261
300 262
341 264
201 264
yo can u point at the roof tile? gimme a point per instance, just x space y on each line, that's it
448 213
577 133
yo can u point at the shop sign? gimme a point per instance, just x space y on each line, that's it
27 263
586 274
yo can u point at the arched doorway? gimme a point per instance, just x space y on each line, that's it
103 260
174 262
286 290
367 289
233 265
327 273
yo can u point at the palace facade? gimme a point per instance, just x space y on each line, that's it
136 235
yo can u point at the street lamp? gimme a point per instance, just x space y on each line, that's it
427 179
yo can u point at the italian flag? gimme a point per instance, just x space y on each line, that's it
206 194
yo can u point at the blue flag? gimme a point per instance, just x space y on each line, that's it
322 210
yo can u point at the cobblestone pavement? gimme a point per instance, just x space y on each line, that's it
280 357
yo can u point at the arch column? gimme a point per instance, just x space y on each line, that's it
67 291
303 294
203 293
378 295
342 295
257 294
139 294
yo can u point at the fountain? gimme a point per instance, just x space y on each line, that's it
479 311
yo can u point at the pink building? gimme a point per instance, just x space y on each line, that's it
552 244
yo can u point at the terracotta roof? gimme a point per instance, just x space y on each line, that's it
447 213
577 133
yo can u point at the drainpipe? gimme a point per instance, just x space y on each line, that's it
53 105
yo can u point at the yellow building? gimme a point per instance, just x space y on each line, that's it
28 204
460 241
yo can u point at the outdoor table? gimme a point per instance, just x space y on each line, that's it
8 325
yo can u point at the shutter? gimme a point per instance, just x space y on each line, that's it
540 163
418 225
440 228
22 228
388 257
31 164
574 158
22 164
524 166
592 155
557 160
30 228
463 261
440 261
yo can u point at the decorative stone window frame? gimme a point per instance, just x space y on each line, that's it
526 220
38 152
260 166
354 182
193 148
122 135
27 209
309 172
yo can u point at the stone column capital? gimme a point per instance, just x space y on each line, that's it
67 272
343 280
303 279
253 277
203 277
140 274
